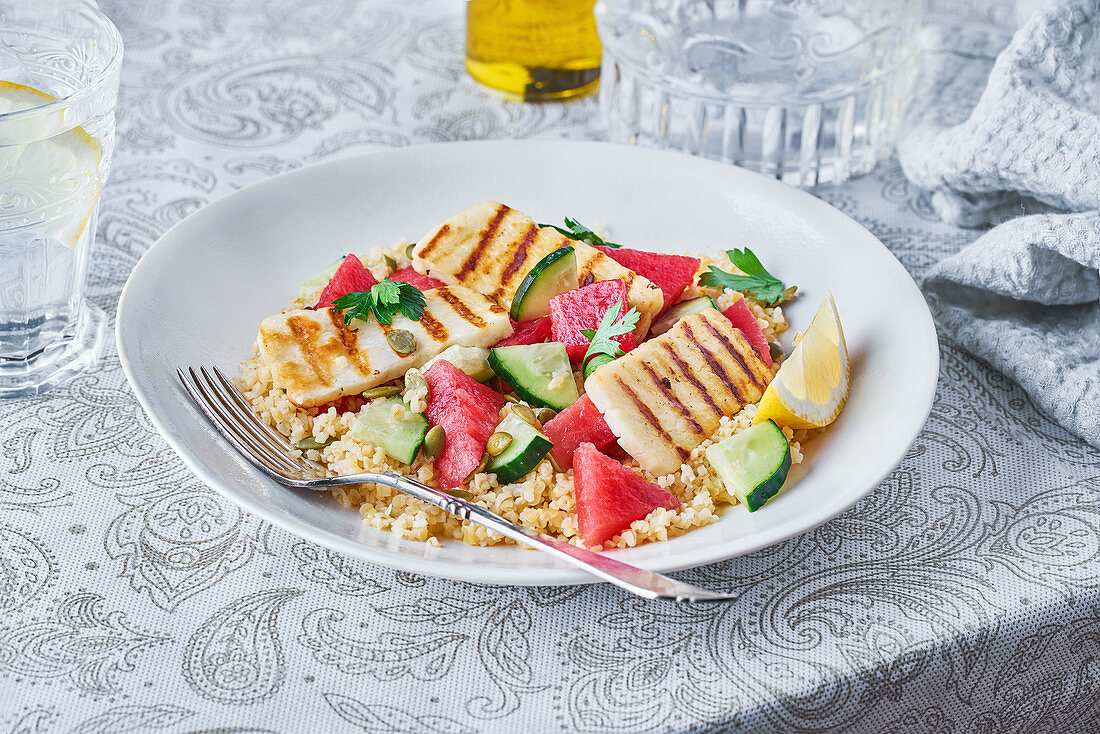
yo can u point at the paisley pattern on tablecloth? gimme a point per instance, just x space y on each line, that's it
960 597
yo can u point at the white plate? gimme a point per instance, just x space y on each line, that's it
199 294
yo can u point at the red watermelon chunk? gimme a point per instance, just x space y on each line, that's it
581 422
583 308
610 496
742 317
415 279
672 273
468 412
528 332
350 277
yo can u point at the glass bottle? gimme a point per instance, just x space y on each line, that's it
533 50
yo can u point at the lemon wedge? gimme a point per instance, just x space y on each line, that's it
53 181
811 386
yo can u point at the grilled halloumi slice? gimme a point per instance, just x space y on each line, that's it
316 358
666 397
491 247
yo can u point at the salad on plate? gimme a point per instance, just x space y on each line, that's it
605 395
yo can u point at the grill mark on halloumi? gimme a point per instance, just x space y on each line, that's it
737 356
666 390
462 309
518 258
435 329
484 239
685 371
302 331
440 233
713 363
649 417
350 339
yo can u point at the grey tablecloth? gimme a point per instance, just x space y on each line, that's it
960 597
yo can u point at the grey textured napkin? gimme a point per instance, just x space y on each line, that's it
1016 143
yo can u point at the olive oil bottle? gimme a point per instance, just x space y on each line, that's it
533 50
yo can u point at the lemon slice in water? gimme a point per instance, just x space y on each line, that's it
53 182
811 386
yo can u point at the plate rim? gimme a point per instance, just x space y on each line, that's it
510 577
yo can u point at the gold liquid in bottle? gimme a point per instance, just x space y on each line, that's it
533 50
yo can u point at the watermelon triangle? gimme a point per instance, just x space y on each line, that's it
610 496
416 280
468 412
527 332
671 273
581 422
351 277
742 317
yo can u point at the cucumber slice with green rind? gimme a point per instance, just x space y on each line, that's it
753 464
554 274
539 373
678 311
528 448
400 436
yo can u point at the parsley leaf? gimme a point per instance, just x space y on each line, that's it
757 281
603 337
574 230
384 299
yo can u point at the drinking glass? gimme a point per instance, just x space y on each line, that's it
59 67
808 91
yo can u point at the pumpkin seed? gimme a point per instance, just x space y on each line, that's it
401 341
309 443
525 413
511 398
776 351
391 264
498 442
434 442
382 391
459 493
415 382
545 414
409 250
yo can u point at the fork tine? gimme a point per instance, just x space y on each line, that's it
230 416
243 412
230 430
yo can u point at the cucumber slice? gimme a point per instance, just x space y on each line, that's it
539 373
753 464
320 280
554 274
471 360
678 311
527 449
400 437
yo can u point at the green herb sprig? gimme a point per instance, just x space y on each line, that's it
603 337
574 230
384 299
757 281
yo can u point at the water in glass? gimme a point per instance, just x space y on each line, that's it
59 66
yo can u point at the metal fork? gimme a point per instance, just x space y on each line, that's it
232 416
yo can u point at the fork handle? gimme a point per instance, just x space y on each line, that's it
647 584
